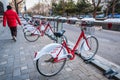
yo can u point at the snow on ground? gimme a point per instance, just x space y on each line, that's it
114 20
88 19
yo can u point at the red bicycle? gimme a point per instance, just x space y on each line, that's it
32 34
51 59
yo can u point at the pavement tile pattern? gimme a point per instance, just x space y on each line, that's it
16 61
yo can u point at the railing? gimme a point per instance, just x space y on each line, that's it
104 24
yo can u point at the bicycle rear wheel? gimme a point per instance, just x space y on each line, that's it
89 51
31 37
47 67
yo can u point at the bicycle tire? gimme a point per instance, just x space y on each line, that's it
88 54
29 37
43 65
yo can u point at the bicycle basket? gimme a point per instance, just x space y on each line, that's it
90 30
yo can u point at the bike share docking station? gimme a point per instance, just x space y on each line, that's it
58 26
107 71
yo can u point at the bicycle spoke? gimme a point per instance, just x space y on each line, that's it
89 53
31 37
47 67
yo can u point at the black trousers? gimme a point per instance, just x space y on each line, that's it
13 31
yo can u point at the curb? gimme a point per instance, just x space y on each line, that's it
1 28
107 71
104 66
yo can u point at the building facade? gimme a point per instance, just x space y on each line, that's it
3 4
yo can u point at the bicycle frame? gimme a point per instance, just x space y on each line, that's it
46 27
56 55
61 51
72 51
42 32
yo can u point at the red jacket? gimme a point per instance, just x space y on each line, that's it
11 18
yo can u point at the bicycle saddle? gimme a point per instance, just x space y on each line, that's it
59 33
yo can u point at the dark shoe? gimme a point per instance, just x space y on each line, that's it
14 38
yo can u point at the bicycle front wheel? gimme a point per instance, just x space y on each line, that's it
89 48
47 67
31 37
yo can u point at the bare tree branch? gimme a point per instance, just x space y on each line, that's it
96 5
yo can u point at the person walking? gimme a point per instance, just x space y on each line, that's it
11 18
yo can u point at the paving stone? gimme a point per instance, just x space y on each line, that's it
24 67
21 48
31 65
25 77
34 75
10 64
16 65
99 76
22 53
84 77
2 68
10 56
3 63
2 73
2 77
9 70
26 71
7 50
16 72
22 59
93 78
9 75
5 55
17 77
16 62
32 70
6 77
9 79
10 59
68 69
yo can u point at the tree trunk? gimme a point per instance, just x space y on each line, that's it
16 8
95 7
106 11
113 8
18 5
94 13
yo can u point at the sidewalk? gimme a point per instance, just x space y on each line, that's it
1 28
16 61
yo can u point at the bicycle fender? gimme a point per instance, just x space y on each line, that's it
31 29
53 49
28 27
